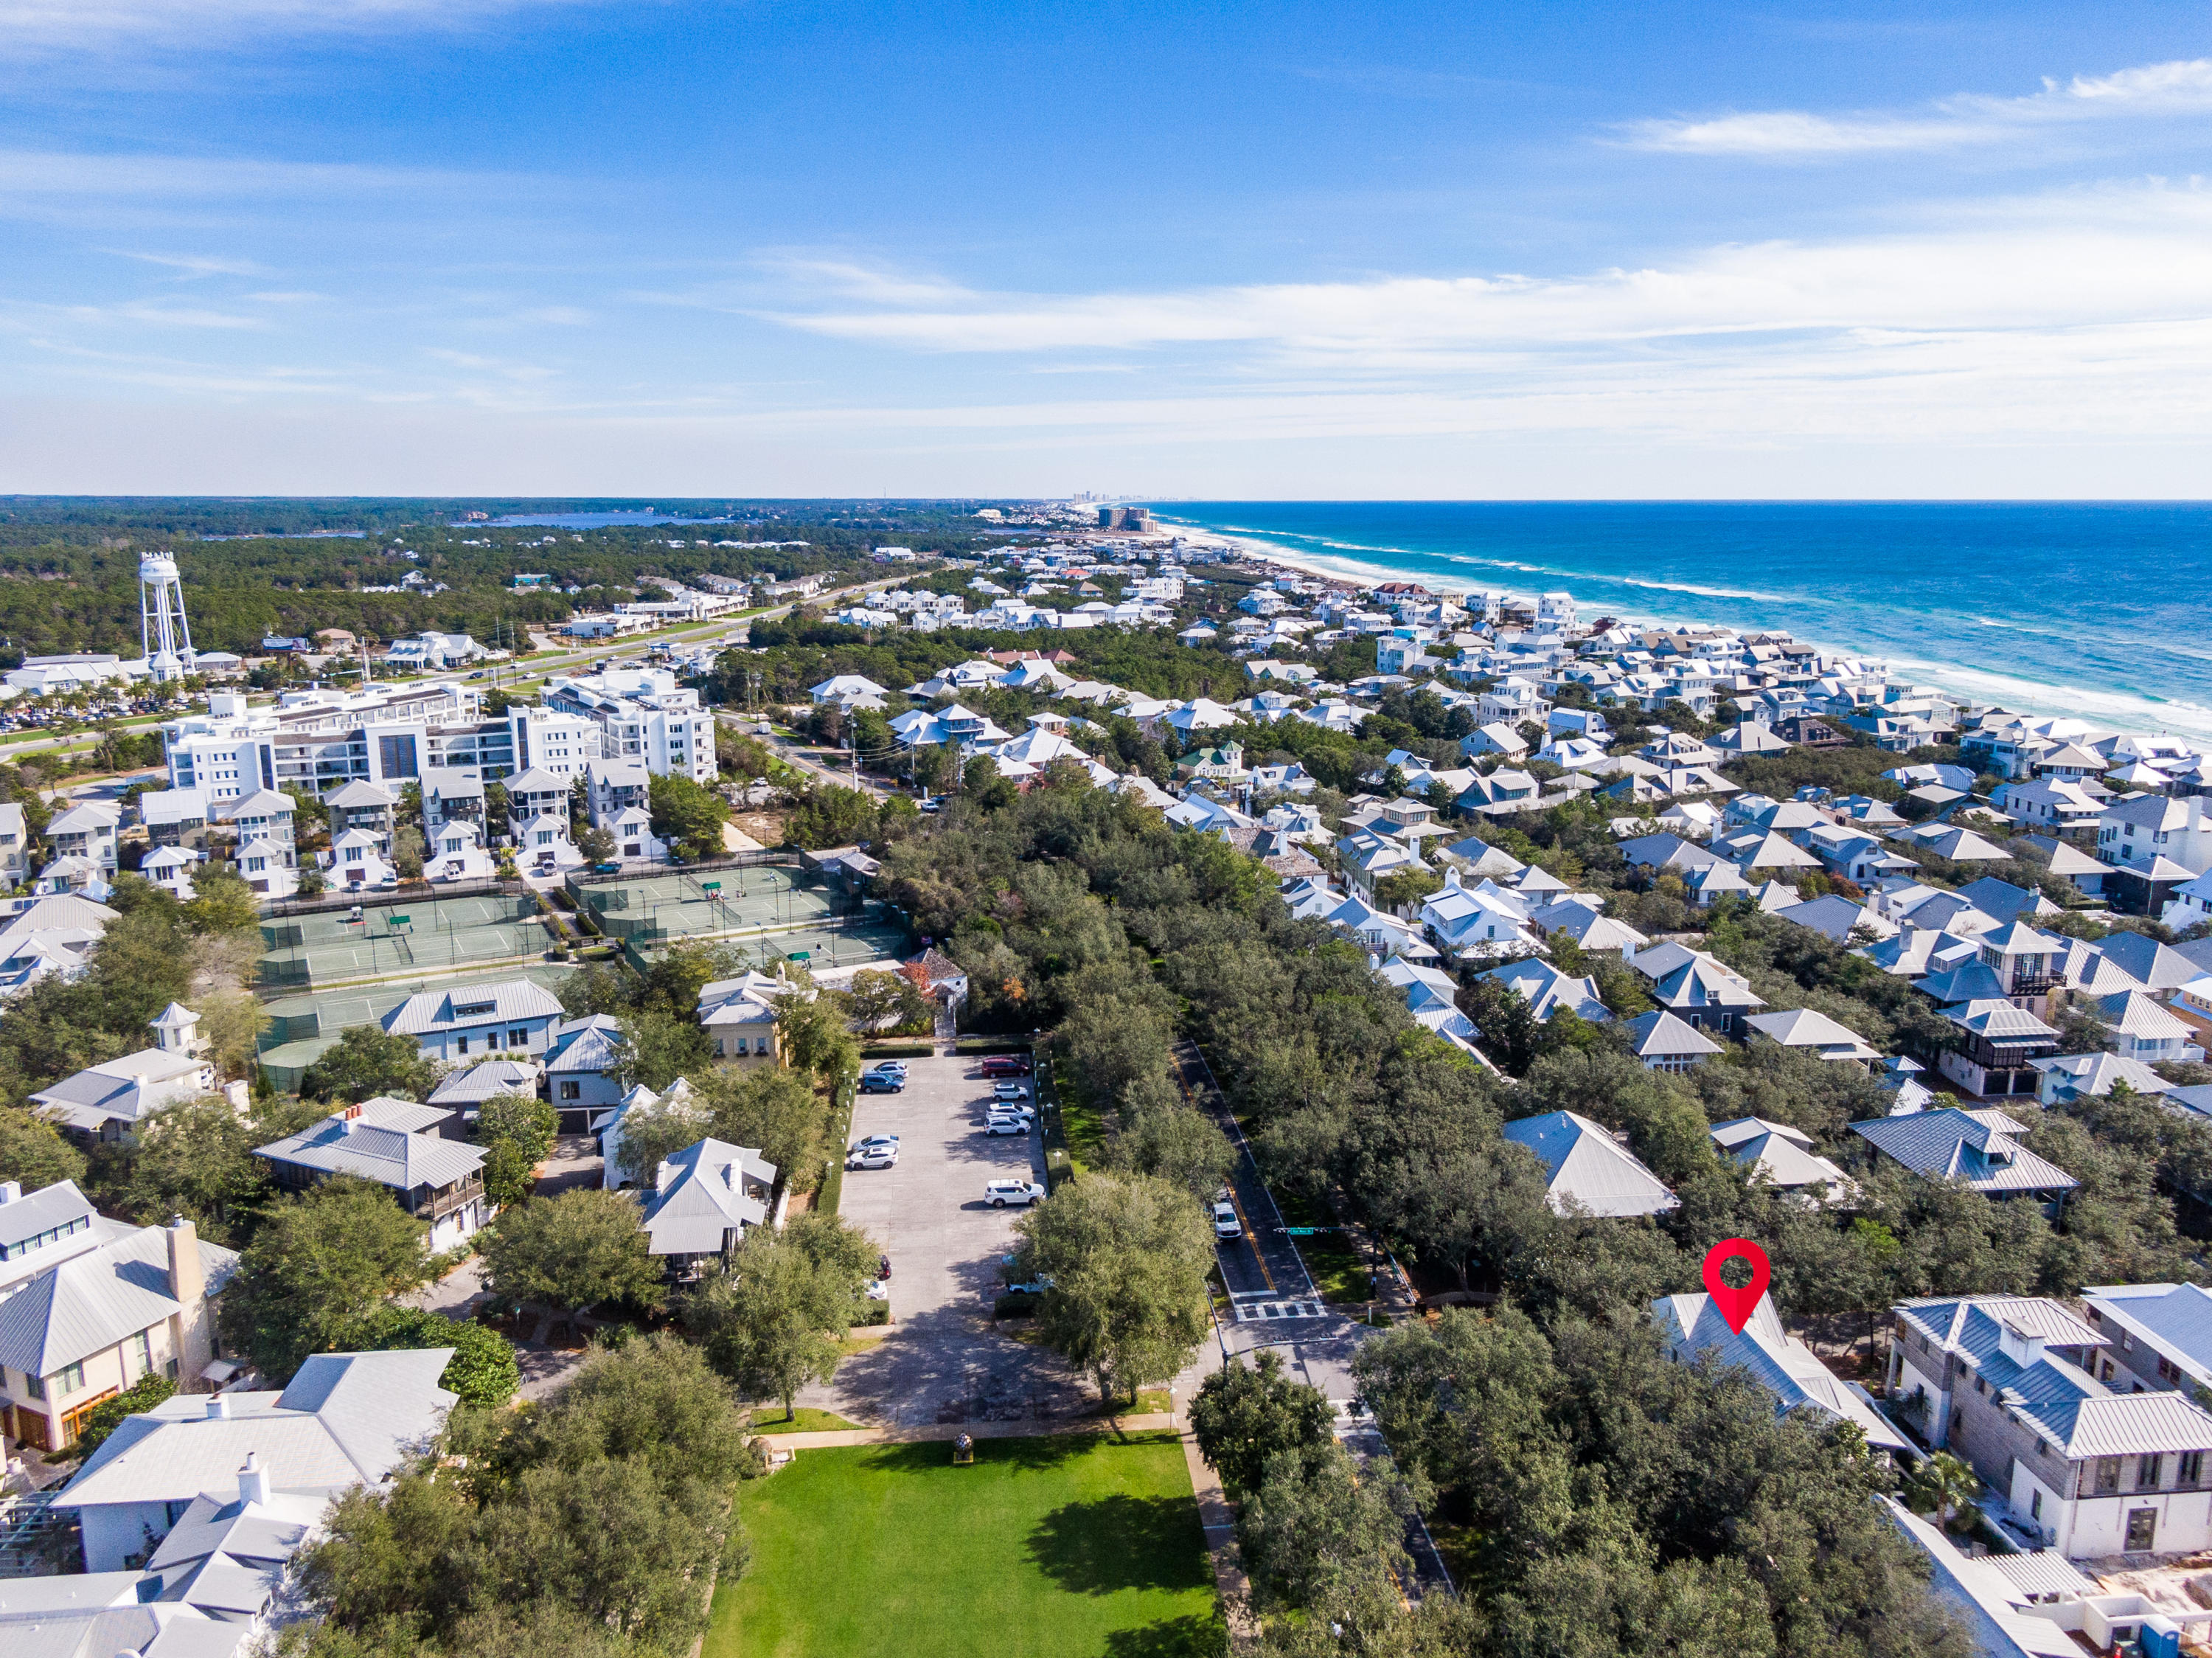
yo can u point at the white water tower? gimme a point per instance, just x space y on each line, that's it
162 629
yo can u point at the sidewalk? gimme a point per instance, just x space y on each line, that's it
922 1432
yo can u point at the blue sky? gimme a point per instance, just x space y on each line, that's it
1506 250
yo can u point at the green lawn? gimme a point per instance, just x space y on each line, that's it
770 1419
1077 1546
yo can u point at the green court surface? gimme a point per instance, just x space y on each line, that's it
1084 1545
840 945
303 1026
681 905
398 936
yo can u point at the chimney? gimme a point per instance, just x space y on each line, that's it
187 1278
218 1407
2021 1347
10 1191
252 1478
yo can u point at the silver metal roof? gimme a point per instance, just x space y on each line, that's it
437 1011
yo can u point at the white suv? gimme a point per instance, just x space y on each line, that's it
1000 1193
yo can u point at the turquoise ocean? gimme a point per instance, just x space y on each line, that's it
2101 610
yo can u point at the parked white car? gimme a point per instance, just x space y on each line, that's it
998 1125
1000 1193
872 1157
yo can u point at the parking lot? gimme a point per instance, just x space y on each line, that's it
928 1213
943 1361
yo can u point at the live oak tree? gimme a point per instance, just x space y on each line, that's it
1319 1532
483 1370
196 1158
1159 1132
365 1061
584 1527
768 1108
770 1318
810 1027
516 1131
1244 1415
1128 1256
33 1152
318 1262
572 1252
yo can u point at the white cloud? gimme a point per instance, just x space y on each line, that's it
199 264
2090 258
38 25
73 175
2150 90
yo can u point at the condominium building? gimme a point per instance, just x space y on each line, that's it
319 742
642 715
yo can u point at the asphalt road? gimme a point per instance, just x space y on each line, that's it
1263 1266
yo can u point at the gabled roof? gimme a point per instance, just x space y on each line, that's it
125 1088
88 1290
1660 1035
2176 1318
1785 1157
700 1197
345 1419
1702 983
360 795
591 1044
1776 1360
2059 1400
2133 1013
1588 1166
1954 1145
488 1080
1967 983
2153 966
1547 990
442 1010
1803 1027
382 1140
1831 915
2093 1075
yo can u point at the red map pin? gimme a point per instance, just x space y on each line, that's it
1736 1305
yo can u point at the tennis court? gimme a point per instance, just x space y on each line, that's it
841 943
330 946
682 904
303 1028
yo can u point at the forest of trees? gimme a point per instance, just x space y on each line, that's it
1615 1503
69 568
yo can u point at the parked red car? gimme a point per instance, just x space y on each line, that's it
1006 1064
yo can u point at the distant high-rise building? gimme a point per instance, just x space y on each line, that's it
165 635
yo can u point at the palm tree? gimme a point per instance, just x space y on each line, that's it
1945 1484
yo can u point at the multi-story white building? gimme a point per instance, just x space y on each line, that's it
311 741
319 742
642 715
86 830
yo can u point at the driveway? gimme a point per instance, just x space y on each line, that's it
943 1361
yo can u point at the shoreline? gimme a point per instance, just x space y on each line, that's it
1984 687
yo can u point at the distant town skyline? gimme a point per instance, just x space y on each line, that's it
564 248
